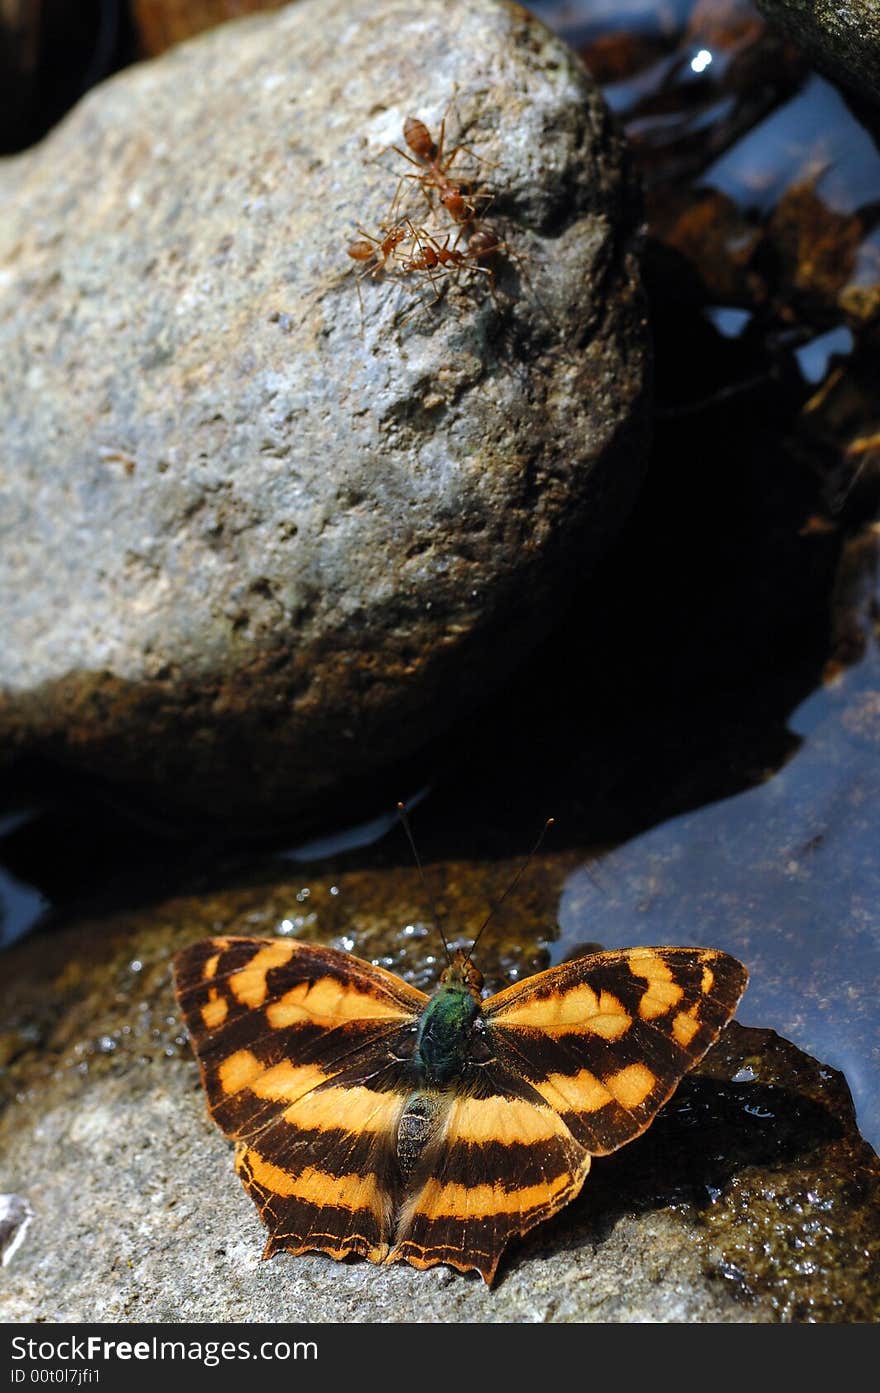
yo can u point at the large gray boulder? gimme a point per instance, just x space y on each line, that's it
267 525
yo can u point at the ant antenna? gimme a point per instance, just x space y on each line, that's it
401 808
513 884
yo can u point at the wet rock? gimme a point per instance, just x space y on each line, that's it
270 526
760 181
801 263
855 617
842 40
784 875
817 251
776 1227
714 245
751 1197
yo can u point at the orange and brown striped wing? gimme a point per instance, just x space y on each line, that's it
606 1039
581 1059
506 1162
300 1051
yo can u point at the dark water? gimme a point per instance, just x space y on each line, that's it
786 876
708 737
786 873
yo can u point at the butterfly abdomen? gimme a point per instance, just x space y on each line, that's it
417 1125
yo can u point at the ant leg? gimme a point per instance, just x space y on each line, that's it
468 150
392 208
484 197
460 146
424 181
479 159
419 164
461 229
421 302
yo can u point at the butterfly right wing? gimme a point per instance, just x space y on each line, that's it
606 1039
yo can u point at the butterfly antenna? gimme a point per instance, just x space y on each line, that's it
401 808
513 884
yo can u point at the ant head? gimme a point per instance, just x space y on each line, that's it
456 204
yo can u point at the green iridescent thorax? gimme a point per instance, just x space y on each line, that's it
442 1042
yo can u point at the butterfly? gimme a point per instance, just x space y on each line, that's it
373 1120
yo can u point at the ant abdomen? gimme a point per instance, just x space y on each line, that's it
418 138
361 249
484 242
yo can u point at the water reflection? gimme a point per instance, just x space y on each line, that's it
349 838
814 358
814 134
786 876
757 172
22 906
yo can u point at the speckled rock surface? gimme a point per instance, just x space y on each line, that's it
752 1197
842 39
264 533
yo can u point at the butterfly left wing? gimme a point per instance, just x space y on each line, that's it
578 1061
299 1048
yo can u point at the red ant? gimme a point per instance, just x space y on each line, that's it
435 169
380 251
368 248
482 244
433 256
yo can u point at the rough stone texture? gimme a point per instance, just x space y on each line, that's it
842 39
260 533
751 1198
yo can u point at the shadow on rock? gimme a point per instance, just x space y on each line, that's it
759 1156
